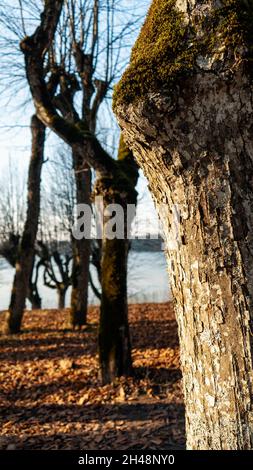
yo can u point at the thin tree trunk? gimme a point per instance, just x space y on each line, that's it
34 298
95 290
26 252
195 145
61 298
80 248
33 292
114 336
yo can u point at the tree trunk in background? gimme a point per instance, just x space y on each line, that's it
9 251
114 336
33 292
61 292
26 253
195 144
34 298
80 248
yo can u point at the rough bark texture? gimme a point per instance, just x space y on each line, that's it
26 253
194 142
80 248
114 336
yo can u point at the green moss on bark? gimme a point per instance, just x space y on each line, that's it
119 187
168 45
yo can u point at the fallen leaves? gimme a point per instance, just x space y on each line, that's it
51 396
66 364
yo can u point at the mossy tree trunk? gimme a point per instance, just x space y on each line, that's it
26 252
192 134
80 248
114 335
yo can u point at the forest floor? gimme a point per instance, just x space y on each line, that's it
51 396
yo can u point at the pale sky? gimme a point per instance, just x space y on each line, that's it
16 110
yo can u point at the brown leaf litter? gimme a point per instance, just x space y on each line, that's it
51 396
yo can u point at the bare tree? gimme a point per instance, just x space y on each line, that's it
59 203
54 238
87 45
26 250
16 26
87 56
113 180
56 263
12 222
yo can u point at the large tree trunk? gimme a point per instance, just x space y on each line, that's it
80 248
114 336
194 141
25 261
